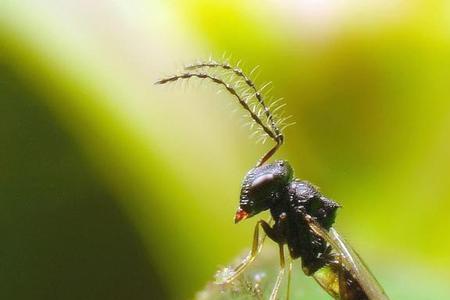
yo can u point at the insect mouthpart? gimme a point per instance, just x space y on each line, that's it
240 215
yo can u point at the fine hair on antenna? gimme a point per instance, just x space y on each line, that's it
237 83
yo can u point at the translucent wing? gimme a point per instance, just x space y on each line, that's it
351 261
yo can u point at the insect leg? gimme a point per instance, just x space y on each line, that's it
274 294
288 292
256 248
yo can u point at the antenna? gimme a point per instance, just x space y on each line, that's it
259 111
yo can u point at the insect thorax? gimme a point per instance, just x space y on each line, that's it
302 198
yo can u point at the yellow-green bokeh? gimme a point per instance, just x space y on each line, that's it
366 81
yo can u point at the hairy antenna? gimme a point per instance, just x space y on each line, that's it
270 128
249 82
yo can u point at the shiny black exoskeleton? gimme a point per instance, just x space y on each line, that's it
273 187
303 216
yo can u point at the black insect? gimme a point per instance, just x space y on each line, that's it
302 216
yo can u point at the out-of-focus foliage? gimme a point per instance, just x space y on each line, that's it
110 186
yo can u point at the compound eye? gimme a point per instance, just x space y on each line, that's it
262 181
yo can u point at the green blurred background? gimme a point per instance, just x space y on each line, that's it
113 188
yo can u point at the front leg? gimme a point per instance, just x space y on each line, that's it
273 232
276 233
232 274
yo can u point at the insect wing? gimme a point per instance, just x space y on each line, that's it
351 261
357 266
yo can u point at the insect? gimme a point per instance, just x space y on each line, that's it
302 217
